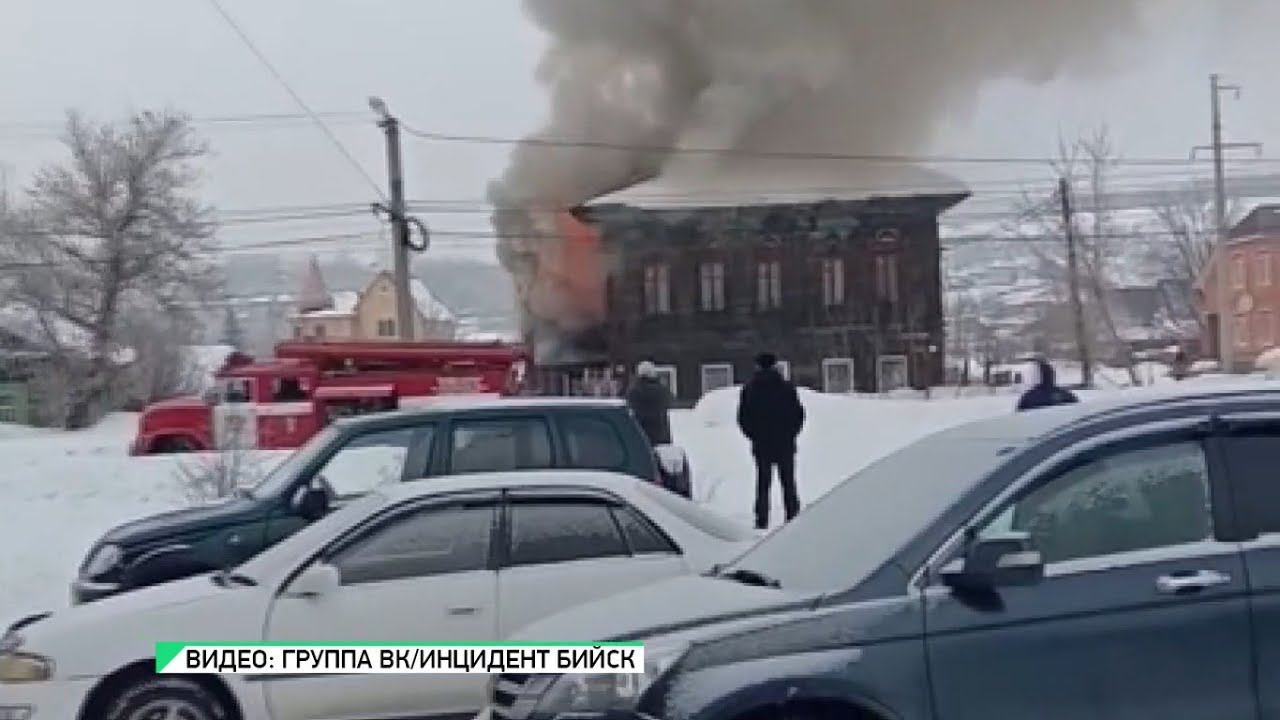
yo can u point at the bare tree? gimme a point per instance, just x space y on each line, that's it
1187 217
162 364
1086 163
115 228
209 477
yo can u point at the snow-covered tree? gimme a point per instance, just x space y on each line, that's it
115 227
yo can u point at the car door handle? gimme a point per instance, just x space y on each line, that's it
1201 580
463 610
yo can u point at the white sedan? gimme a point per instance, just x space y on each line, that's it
460 559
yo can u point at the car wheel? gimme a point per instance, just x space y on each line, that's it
161 698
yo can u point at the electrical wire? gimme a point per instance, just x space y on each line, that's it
217 5
900 159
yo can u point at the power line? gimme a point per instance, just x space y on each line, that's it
795 155
297 98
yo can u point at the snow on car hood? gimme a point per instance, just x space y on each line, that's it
98 637
663 608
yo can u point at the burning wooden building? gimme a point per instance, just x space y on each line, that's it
845 289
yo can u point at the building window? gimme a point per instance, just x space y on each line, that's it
1242 331
837 375
892 373
667 375
784 369
832 282
1237 271
887 278
297 332
1262 269
319 333
657 290
711 286
769 285
386 328
1264 333
716 376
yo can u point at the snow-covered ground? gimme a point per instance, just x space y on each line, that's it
60 491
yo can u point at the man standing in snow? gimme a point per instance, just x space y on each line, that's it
650 402
771 416
1046 392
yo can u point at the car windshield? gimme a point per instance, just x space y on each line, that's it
863 521
697 516
282 476
284 555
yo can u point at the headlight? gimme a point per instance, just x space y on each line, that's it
602 693
103 560
17 667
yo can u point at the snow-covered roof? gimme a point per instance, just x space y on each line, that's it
343 304
694 181
428 304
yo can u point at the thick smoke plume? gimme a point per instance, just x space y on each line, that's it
807 76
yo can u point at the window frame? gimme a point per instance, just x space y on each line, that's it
1239 271
386 328
884 360
673 375
784 369
1262 268
655 289
711 286
702 375
848 362
1243 336
417 459
548 425
1071 450
768 284
833 281
514 497
375 522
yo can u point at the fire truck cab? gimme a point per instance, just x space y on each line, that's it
281 402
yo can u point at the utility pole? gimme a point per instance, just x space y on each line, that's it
1226 313
1073 281
399 222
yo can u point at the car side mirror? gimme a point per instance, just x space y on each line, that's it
318 580
310 503
1007 560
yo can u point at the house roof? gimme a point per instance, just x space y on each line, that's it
428 304
699 182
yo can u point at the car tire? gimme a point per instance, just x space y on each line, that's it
167 698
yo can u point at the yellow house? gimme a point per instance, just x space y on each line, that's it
368 315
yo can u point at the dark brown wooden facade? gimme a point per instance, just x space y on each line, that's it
846 293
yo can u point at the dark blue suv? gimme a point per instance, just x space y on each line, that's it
1091 561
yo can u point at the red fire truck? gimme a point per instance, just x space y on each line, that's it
280 402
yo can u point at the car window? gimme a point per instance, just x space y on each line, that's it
417 544
702 519
559 531
593 443
642 535
1130 500
1252 461
500 445
371 460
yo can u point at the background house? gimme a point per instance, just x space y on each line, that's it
368 314
1253 294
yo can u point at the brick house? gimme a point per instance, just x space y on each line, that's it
846 292
1253 294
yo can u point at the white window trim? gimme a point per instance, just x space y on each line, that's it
784 368
880 374
702 372
1262 268
839 362
673 377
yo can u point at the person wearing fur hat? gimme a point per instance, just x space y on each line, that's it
650 401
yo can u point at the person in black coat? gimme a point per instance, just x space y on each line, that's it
650 401
770 416
1046 392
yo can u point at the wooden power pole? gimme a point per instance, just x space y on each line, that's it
1073 281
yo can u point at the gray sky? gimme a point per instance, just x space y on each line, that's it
467 66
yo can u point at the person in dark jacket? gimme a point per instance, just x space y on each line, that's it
771 417
650 401
1046 392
